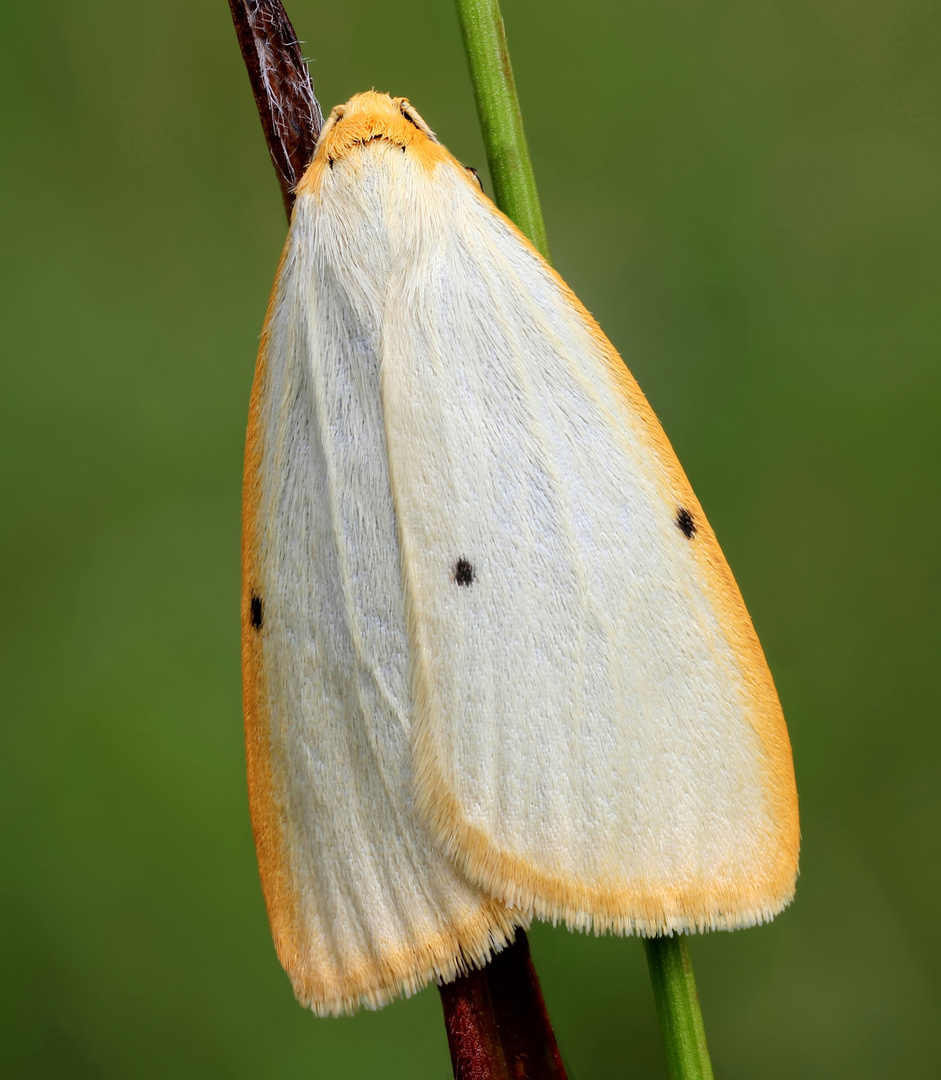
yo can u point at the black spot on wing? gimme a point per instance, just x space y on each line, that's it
256 613
685 523
463 572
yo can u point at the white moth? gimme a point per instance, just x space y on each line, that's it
495 664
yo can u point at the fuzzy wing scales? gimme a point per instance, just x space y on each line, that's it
362 902
597 737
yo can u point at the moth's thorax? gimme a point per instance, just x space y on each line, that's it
381 198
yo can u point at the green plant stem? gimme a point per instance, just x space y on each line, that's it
674 991
511 170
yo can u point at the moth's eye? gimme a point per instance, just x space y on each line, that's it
463 572
256 612
474 175
407 113
685 523
416 121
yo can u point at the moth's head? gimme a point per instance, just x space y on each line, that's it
367 124
370 125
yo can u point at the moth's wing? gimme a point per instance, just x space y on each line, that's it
363 905
597 735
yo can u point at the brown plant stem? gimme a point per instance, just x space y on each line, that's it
496 1020
290 113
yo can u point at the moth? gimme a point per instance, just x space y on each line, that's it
496 666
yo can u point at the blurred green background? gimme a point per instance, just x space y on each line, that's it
746 195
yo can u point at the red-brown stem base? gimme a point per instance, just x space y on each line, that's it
496 1021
